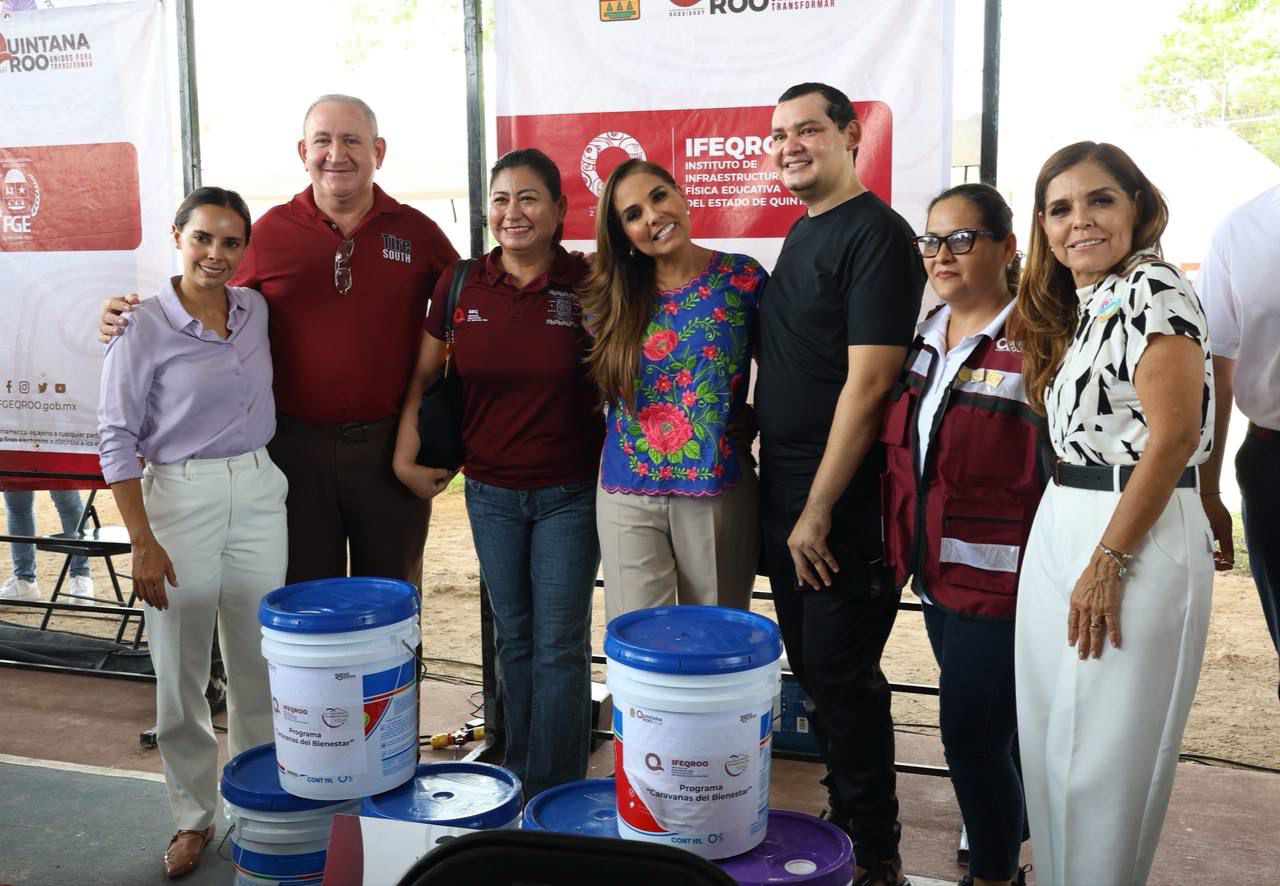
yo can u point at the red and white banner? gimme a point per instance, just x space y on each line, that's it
691 84
86 195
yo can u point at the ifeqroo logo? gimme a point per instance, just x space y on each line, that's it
44 52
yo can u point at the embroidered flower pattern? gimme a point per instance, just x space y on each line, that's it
695 353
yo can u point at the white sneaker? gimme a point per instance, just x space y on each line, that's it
20 589
81 586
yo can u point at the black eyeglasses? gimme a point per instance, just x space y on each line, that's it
342 266
958 242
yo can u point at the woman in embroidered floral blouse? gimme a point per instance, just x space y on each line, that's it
674 326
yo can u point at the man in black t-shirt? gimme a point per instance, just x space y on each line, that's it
835 324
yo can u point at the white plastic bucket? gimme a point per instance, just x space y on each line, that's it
344 685
277 839
693 690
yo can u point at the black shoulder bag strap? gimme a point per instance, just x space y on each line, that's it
460 269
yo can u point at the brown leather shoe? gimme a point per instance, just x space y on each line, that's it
183 855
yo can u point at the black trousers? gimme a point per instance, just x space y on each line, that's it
834 638
343 495
1258 473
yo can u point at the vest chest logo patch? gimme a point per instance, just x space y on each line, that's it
991 377
563 308
396 248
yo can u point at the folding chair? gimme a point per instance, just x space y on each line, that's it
535 858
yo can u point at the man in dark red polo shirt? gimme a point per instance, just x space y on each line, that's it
347 272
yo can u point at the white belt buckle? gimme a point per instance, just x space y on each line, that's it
1115 478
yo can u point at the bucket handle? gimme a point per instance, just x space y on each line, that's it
223 842
422 662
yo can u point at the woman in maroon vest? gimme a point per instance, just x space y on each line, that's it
964 475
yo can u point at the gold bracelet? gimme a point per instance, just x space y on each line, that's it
1119 558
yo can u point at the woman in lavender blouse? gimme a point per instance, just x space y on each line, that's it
187 386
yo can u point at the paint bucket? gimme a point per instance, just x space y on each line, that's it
799 850
693 690
577 807
344 684
276 838
477 796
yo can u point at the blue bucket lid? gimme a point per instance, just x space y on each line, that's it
334 605
578 807
251 780
692 639
461 795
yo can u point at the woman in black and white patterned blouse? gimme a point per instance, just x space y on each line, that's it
1116 355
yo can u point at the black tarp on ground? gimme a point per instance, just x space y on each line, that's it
66 649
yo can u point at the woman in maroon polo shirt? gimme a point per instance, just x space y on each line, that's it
532 429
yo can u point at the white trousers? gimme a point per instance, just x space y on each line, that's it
1100 738
222 522
657 550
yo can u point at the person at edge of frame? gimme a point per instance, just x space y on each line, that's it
1116 357
1237 284
835 326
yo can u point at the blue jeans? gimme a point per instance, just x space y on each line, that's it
1258 473
980 735
538 558
20 507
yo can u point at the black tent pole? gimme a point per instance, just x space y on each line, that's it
472 34
990 92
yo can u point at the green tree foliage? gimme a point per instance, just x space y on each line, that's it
1221 66
376 23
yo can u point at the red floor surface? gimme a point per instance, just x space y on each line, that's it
1223 825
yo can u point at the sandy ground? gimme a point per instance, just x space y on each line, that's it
1236 713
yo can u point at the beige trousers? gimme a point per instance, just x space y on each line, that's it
657 550
222 522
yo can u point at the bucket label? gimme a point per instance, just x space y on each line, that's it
692 777
318 718
263 869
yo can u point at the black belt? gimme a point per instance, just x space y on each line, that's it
1104 479
1262 433
347 432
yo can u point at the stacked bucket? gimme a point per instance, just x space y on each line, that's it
344 687
693 692
693 695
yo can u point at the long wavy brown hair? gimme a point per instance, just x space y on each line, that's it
617 296
1047 302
